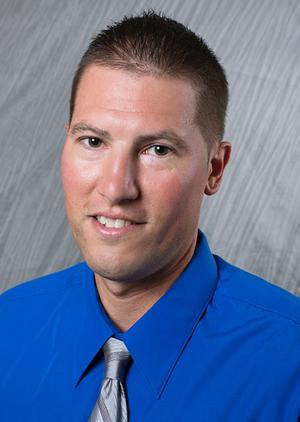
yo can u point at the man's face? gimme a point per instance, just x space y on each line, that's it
134 170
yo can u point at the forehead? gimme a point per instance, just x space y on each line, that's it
105 89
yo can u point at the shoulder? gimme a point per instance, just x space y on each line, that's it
254 292
47 285
39 315
37 303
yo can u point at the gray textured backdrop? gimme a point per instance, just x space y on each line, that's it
253 221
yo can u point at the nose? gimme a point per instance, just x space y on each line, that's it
118 180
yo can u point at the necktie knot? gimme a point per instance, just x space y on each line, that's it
116 358
112 403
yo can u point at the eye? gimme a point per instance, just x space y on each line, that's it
92 142
159 150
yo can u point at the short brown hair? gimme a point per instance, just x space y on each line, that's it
152 43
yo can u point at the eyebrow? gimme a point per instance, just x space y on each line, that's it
168 135
83 127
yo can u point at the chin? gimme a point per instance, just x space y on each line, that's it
115 270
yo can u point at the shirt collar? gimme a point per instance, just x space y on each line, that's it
93 331
157 339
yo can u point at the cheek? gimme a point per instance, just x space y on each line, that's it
77 178
177 193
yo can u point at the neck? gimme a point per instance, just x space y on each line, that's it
126 303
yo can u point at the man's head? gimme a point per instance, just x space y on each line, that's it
152 44
136 164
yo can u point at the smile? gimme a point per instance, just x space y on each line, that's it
113 222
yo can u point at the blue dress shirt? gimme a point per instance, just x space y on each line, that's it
219 345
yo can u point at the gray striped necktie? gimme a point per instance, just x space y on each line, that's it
111 405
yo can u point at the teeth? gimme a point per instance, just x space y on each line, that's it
120 223
101 219
112 222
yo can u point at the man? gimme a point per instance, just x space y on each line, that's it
152 326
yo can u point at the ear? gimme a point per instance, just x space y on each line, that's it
66 126
218 160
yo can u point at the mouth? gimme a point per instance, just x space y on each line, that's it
114 223
115 228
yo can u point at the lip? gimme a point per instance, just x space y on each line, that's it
115 232
117 216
